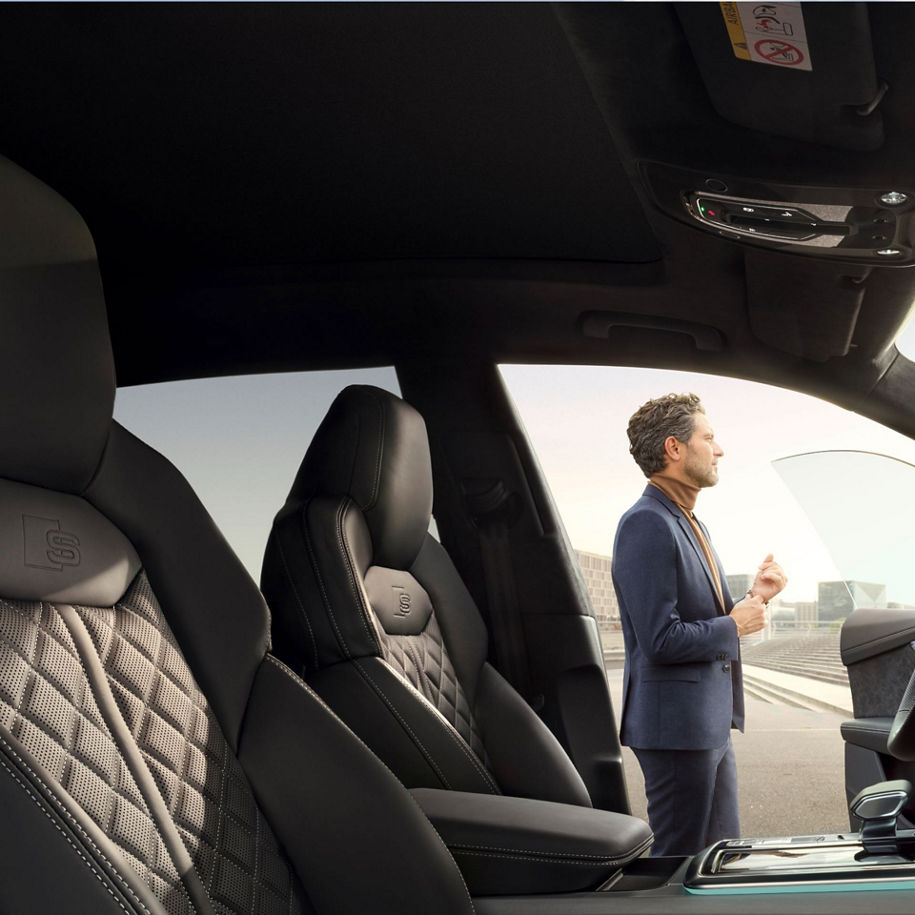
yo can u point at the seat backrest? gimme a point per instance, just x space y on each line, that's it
154 757
370 607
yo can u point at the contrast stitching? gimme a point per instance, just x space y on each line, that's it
376 479
533 854
312 694
354 586
384 698
317 573
295 593
52 798
520 857
450 731
117 711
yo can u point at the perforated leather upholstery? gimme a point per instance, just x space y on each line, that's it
398 650
134 665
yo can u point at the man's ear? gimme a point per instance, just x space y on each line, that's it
673 448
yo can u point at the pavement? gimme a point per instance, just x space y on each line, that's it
790 759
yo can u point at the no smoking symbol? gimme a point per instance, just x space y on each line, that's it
779 52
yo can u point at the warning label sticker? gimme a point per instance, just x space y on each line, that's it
768 33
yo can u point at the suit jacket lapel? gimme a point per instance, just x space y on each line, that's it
687 529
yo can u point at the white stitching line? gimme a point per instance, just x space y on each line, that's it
70 842
116 711
354 585
450 730
295 592
306 534
313 695
376 479
428 756
52 798
484 854
533 854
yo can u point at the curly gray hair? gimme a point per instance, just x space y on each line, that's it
652 424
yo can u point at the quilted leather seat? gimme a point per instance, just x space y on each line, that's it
368 605
154 757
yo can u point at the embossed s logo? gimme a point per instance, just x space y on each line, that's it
404 601
46 546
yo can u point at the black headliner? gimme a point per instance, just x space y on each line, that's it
278 186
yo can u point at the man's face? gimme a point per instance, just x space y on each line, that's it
702 453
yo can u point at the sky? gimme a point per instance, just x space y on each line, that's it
239 442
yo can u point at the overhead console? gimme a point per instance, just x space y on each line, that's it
860 225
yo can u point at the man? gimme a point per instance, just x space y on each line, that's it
682 684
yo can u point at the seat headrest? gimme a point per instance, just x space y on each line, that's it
373 447
56 365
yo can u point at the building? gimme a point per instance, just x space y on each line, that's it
596 571
837 599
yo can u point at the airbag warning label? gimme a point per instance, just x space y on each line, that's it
768 33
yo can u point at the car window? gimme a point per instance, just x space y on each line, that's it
576 417
239 440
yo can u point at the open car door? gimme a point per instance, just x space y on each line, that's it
863 507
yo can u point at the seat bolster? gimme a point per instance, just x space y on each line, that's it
313 581
53 836
401 727
215 610
458 617
526 758
351 830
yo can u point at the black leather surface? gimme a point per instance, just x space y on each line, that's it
214 608
901 740
401 727
56 368
527 760
55 546
373 447
40 836
510 845
869 733
334 599
400 602
359 842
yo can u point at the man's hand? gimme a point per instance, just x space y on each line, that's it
749 614
770 579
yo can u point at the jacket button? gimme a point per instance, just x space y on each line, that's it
725 667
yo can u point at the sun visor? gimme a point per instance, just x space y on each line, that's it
800 70
57 547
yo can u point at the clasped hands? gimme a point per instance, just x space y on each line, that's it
750 613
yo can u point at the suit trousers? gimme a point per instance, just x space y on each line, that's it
692 797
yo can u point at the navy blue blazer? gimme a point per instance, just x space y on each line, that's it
682 683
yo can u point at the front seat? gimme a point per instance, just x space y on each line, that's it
368 605
154 758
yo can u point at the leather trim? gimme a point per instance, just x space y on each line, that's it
57 547
449 730
93 848
107 705
376 819
524 846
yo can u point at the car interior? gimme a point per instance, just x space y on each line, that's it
394 720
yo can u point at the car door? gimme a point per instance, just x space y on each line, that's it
861 504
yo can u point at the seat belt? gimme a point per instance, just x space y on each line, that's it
494 511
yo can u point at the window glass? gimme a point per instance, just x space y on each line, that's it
576 417
790 759
239 440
